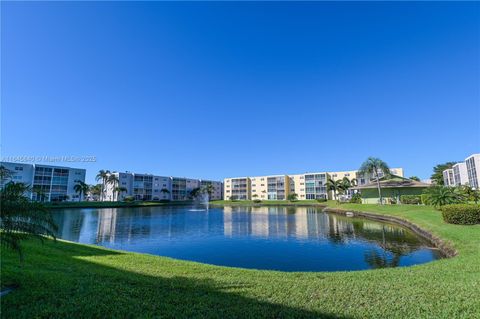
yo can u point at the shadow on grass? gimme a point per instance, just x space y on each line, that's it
58 281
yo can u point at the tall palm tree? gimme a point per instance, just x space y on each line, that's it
335 186
103 176
113 180
373 166
80 188
21 218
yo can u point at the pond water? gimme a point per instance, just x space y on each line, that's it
278 238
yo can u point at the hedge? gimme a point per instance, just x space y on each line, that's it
425 199
462 214
410 199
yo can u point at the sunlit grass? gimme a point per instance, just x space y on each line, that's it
72 280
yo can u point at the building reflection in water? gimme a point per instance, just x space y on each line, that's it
127 226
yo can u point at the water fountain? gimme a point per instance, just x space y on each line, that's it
200 202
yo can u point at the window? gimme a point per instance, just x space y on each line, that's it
18 168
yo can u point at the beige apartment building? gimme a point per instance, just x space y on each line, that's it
278 187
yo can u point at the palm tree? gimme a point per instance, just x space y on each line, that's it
81 188
442 195
119 190
21 218
103 176
335 186
96 189
209 189
113 180
164 191
195 192
5 174
40 193
373 166
345 184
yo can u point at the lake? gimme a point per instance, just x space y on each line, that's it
276 238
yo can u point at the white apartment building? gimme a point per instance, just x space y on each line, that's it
149 187
448 177
49 183
278 187
473 170
460 174
464 173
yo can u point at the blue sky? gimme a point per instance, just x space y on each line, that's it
212 90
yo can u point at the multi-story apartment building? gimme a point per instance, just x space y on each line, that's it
473 170
278 187
154 187
237 188
48 183
217 193
181 187
460 174
448 177
464 173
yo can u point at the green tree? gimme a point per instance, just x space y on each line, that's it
292 197
335 186
195 192
415 178
40 194
373 167
437 176
103 176
113 180
469 193
81 188
164 191
443 195
96 189
209 189
345 184
21 218
5 174
120 190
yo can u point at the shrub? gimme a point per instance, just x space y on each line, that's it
441 195
292 197
128 199
425 199
257 201
410 199
462 214
356 198
321 200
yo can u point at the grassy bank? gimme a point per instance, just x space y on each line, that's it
113 204
70 280
267 203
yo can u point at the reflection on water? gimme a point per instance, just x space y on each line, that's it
281 238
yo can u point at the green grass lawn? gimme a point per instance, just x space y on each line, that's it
72 281
267 202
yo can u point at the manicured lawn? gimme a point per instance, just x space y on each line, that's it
267 202
112 204
72 280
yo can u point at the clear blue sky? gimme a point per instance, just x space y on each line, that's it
212 90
